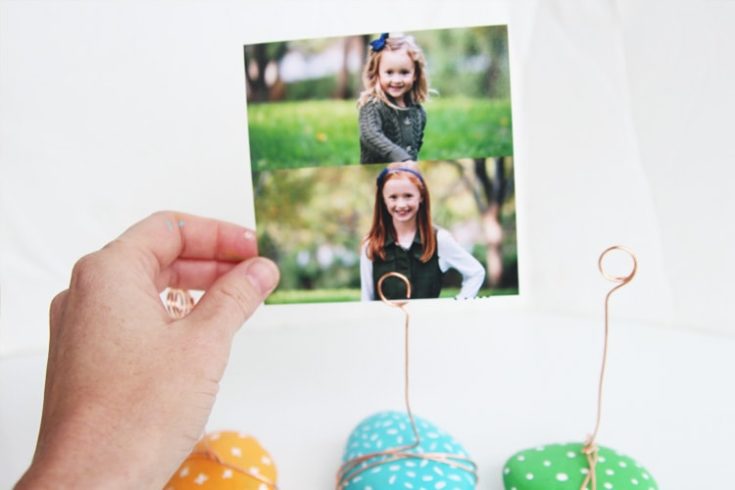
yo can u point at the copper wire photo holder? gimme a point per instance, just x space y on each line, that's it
179 303
590 448
355 466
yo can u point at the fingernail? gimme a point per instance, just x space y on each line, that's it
263 274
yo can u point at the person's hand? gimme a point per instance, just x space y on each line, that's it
128 389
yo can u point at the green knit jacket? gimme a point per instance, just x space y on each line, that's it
390 135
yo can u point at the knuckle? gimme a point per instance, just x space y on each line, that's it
56 309
85 271
114 245
58 302
98 268
126 251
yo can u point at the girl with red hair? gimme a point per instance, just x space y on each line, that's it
403 239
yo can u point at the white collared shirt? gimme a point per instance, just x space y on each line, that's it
451 256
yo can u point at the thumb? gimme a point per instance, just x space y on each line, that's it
235 295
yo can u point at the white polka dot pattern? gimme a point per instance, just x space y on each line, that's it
387 430
564 466
225 461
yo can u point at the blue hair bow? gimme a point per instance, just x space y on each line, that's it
379 44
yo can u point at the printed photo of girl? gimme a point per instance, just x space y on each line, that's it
392 119
347 135
403 239
368 98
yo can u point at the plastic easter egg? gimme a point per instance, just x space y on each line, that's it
388 430
225 461
565 467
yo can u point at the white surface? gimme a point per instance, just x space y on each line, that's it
500 383
622 112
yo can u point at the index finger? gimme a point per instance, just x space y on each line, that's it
168 235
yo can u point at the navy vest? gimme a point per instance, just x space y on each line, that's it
425 278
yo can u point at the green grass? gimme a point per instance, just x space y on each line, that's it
313 296
325 132
342 295
461 127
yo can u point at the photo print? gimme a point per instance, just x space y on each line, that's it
384 152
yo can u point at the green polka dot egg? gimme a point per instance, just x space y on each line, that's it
565 467
387 430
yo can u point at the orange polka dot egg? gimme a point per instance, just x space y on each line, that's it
225 461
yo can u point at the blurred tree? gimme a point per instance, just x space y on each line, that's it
470 62
496 78
345 89
489 194
493 191
259 59
349 83
343 76
314 220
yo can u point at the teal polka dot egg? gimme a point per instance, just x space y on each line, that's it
565 467
388 430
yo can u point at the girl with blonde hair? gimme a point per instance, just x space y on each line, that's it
392 119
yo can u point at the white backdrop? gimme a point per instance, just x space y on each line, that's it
622 112
111 110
